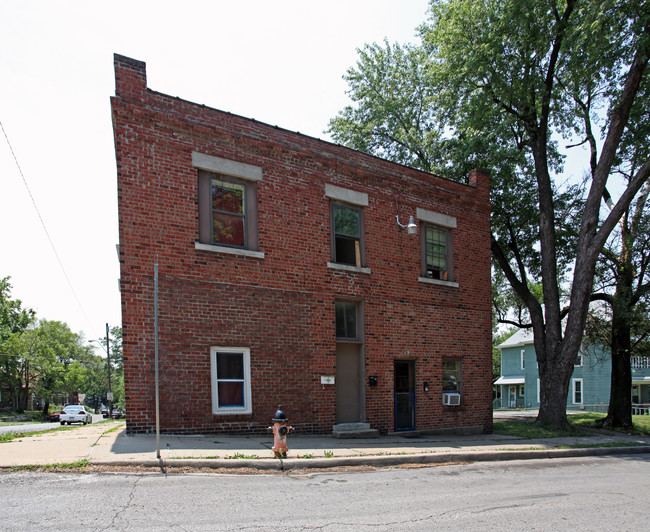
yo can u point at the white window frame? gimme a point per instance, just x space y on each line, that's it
538 392
248 406
579 360
582 391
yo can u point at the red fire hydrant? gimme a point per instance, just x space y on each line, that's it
280 430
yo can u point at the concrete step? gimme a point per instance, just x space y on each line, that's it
354 430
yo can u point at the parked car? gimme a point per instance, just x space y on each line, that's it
75 414
117 414
104 412
54 416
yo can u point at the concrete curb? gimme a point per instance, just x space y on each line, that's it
292 464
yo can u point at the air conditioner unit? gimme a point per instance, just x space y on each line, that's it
451 399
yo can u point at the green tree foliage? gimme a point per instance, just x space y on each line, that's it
509 82
57 360
391 118
48 359
14 320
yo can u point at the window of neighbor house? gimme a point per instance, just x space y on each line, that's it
577 391
346 229
451 375
578 363
231 387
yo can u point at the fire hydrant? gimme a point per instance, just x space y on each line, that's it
280 430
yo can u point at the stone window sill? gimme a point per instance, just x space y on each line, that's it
426 280
229 251
347 268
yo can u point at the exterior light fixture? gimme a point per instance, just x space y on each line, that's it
411 227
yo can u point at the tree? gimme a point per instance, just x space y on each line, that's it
625 287
57 360
508 80
14 320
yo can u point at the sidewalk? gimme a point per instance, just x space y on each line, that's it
107 444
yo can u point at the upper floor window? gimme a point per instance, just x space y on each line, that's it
523 359
346 221
227 204
578 363
346 227
437 245
228 213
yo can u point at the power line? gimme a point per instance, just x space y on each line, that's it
65 274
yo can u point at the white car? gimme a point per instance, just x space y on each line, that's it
75 414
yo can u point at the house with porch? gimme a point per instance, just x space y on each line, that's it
267 268
640 384
518 385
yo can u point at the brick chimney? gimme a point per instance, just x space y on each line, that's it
130 77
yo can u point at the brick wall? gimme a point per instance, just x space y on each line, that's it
282 306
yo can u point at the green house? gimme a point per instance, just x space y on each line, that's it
518 385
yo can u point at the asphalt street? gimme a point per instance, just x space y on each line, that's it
593 493
36 427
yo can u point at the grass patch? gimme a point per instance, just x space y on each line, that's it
595 420
113 429
10 436
242 456
597 445
587 419
527 428
328 454
80 464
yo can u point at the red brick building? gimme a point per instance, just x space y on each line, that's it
285 278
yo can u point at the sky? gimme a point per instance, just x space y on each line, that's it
278 62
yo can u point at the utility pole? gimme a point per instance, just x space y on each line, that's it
109 395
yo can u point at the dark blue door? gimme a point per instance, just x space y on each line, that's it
404 395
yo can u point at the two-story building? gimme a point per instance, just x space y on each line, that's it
285 270
519 381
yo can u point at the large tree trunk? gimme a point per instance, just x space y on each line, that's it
554 381
619 414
